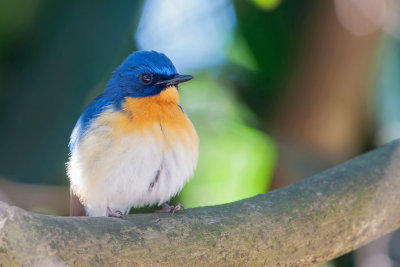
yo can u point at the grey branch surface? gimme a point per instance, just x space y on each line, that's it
304 224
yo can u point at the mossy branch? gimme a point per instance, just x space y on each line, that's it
304 224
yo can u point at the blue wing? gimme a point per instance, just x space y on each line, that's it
91 112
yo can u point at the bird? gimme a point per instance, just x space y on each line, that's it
133 146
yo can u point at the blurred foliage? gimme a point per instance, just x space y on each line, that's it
53 53
267 4
236 161
272 39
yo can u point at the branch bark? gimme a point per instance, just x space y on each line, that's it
303 224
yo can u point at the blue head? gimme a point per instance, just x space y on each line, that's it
142 74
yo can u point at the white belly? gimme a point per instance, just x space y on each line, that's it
131 170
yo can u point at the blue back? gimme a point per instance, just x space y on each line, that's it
91 112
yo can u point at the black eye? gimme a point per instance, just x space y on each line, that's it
146 78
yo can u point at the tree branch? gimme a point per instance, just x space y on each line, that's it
303 224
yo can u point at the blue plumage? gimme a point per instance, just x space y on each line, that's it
90 113
126 79
126 82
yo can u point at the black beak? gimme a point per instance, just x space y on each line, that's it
176 79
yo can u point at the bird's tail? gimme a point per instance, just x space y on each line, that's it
75 206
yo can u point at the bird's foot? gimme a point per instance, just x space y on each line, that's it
170 209
115 214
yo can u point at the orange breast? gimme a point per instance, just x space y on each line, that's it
156 116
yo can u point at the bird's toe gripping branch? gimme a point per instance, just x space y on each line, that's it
170 209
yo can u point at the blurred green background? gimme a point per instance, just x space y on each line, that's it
282 89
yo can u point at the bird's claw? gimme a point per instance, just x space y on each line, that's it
177 208
115 214
170 209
